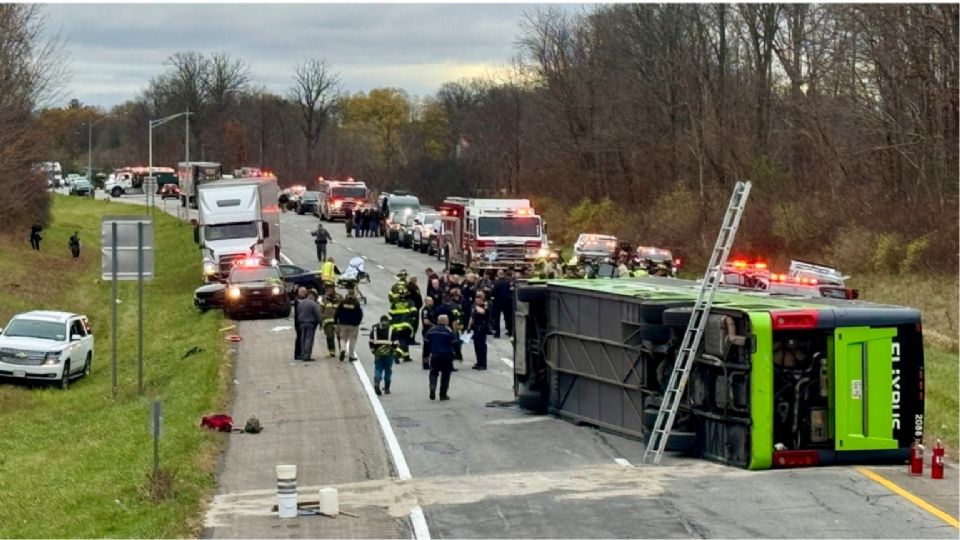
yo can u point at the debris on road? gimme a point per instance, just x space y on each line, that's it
225 328
192 351
218 422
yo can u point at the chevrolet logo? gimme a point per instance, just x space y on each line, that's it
21 355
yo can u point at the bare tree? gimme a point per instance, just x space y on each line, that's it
31 69
314 91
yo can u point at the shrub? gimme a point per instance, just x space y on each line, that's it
852 249
887 252
914 259
601 217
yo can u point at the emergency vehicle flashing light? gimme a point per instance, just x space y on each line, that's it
783 278
247 262
742 264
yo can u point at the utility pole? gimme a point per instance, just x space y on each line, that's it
161 121
90 146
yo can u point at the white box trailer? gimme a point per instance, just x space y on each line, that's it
193 174
237 219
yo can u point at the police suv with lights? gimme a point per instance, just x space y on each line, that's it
253 287
52 346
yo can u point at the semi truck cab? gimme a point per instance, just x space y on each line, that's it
238 219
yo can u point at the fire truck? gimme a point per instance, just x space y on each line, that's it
490 233
336 196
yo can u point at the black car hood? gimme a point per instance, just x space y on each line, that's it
210 289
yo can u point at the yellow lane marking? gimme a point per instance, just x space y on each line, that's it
947 518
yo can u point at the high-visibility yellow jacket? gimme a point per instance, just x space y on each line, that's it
328 271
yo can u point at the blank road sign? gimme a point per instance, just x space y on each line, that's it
128 247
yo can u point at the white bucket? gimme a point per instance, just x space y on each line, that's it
287 491
287 505
329 501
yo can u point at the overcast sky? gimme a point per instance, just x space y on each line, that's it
114 49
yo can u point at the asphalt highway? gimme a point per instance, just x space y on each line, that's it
478 467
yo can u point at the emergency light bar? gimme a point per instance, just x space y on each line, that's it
783 278
823 273
248 262
741 264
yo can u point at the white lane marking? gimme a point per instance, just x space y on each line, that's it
380 266
623 463
419 521
285 258
393 445
507 361
364 257
349 248
420 530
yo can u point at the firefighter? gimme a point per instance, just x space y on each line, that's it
328 306
401 314
399 288
414 295
384 348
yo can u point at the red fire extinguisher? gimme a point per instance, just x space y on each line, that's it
916 459
936 463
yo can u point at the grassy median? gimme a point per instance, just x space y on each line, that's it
75 463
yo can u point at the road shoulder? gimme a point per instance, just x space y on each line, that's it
314 415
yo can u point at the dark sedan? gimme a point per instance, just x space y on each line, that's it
310 203
297 276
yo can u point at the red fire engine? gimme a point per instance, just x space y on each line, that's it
490 233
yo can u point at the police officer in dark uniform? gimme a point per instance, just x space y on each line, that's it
428 321
441 339
502 303
479 326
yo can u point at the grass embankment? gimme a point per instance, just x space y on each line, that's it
937 299
75 463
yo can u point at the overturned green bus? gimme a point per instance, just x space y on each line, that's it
778 381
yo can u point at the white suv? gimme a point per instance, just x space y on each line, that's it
422 229
46 346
